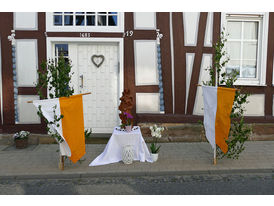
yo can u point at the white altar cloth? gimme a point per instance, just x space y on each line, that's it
113 150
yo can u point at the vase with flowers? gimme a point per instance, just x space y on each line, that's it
21 139
128 122
156 133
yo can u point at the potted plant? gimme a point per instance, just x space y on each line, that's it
128 124
156 133
21 139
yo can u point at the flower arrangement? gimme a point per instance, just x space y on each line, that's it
21 139
129 119
21 135
156 133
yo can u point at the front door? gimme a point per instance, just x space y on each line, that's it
96 70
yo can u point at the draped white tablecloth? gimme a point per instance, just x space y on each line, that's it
113 150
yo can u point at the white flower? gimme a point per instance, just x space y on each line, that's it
156 131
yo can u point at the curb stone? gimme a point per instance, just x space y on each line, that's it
80 175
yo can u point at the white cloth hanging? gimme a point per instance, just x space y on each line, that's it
113 150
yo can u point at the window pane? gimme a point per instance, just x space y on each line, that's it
102 20
91 20
234 29
62 49
233 65
57 20
249 50
80 20
248 72
112 20
248 69
234 50
250 30
112 12
68 20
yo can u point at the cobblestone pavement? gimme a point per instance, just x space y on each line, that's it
237 184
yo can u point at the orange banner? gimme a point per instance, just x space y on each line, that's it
73 125
225 98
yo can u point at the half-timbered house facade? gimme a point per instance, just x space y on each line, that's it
159 56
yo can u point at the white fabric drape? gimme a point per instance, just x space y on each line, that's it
47 108
113 150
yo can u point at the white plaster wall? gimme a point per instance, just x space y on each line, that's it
204 76
189 66
209 30
145 20
25 21
191 23
147 103
26 111
26 62
255 107
146 72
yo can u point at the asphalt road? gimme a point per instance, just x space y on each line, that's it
238 184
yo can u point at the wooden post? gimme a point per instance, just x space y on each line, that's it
61 163
215 159
82 94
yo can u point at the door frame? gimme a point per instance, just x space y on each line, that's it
53 40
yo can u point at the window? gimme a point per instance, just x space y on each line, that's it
61 49
85 22
246 46
85 19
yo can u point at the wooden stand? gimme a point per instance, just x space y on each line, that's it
215 159
61 163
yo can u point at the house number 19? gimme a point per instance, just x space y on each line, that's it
85 35
128 33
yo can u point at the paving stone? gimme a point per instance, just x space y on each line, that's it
174 157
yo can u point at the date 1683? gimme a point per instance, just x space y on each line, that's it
85 34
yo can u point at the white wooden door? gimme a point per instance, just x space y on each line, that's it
101 107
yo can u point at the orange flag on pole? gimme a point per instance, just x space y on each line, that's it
218 102
71 126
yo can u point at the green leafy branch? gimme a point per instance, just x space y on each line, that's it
55 76
239 131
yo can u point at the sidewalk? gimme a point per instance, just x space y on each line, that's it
41 161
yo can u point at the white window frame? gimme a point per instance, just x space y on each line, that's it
262 43
50 27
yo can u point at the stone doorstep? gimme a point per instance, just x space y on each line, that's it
174 133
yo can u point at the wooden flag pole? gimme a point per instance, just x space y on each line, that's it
62 162
82 94
214 158
198 85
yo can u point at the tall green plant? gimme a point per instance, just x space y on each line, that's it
239 131
56 77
